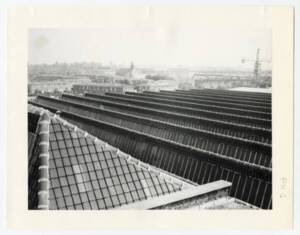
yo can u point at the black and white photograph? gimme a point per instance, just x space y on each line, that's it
168 117
133 119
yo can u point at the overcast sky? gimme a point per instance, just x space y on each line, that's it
149 46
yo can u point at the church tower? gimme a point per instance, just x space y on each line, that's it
131 69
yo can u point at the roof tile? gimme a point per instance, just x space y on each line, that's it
86 173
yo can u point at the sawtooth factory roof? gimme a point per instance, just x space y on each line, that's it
168 142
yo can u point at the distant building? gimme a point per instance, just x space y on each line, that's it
48 87
265 81
136 82
126 72
158 77
102 78
163 85
185 86
223 83
48 77
227 80
67 69
98 88
142 87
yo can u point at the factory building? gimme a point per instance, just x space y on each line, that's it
97 88
201 137
48 87
224 83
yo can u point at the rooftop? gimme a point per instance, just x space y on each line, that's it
200 135
71 169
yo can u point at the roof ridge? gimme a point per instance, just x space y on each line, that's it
43 158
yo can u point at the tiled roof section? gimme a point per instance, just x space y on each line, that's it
86 173
43 169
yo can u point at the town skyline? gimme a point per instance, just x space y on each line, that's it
149 47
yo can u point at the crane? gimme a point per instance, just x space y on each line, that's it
257 64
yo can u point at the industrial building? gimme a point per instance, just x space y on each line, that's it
198 138
97 88
48 87
224 83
